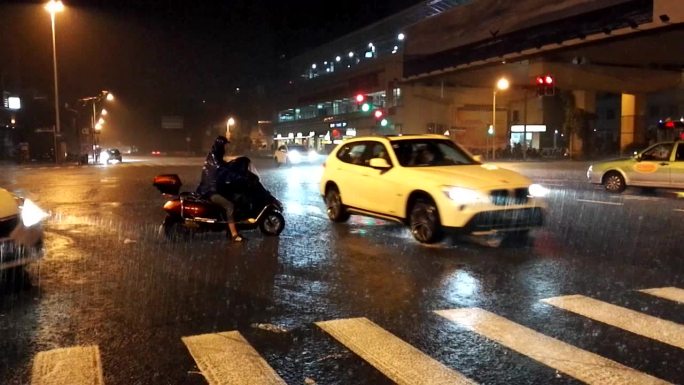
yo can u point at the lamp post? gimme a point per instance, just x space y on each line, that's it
502 85
95 125
53 7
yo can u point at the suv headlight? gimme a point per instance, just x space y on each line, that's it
538 191
464 195
31 214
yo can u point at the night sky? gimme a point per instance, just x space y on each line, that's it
157 54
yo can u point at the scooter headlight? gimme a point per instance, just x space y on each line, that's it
31 214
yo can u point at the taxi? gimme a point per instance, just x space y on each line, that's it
21 231
659 166
431 184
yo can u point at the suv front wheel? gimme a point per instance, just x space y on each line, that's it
424 221
335 208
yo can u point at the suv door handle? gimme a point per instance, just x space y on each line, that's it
664 163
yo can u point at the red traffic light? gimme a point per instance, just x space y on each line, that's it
360 98
378 114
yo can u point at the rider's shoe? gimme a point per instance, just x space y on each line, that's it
237 238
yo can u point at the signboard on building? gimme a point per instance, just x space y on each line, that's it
171 122
528 128
14 103
10 102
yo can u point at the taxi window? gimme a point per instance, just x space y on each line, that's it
660 152
680 153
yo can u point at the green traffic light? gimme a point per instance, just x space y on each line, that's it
365 107
384 123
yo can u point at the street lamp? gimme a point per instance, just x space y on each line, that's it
53 7
229 124
104 112
501 85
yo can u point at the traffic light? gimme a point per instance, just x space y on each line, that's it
550 85
540 86
378 114
546 85
362 102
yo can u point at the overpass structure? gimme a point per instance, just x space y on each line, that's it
628 54
432 68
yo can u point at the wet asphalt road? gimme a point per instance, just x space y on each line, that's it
109 279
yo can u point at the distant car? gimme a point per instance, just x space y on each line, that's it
294 154
660 166
431 184
110 155
21 231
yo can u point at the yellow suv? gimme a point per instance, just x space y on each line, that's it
429 183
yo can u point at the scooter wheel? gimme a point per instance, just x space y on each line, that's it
174 229
272 224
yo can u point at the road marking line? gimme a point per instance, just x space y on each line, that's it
78 365
228 359
672 293
577 363
679 210
638 198
632 321
600 202
396 359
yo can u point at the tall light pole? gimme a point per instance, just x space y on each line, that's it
53 7
502 85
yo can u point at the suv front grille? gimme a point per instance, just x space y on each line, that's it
518 196
7 225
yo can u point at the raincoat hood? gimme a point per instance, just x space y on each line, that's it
218 148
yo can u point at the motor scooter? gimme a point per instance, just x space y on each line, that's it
187 212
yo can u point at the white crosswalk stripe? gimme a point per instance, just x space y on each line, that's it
580 364
638 323
671 293
396 359
228 359
79 365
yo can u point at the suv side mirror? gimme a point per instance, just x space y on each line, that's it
379 163
477 158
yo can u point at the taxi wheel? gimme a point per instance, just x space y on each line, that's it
335 208
613 182
424 221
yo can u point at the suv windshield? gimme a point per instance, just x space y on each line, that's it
430 153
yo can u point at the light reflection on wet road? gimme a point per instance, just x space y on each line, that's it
110 280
